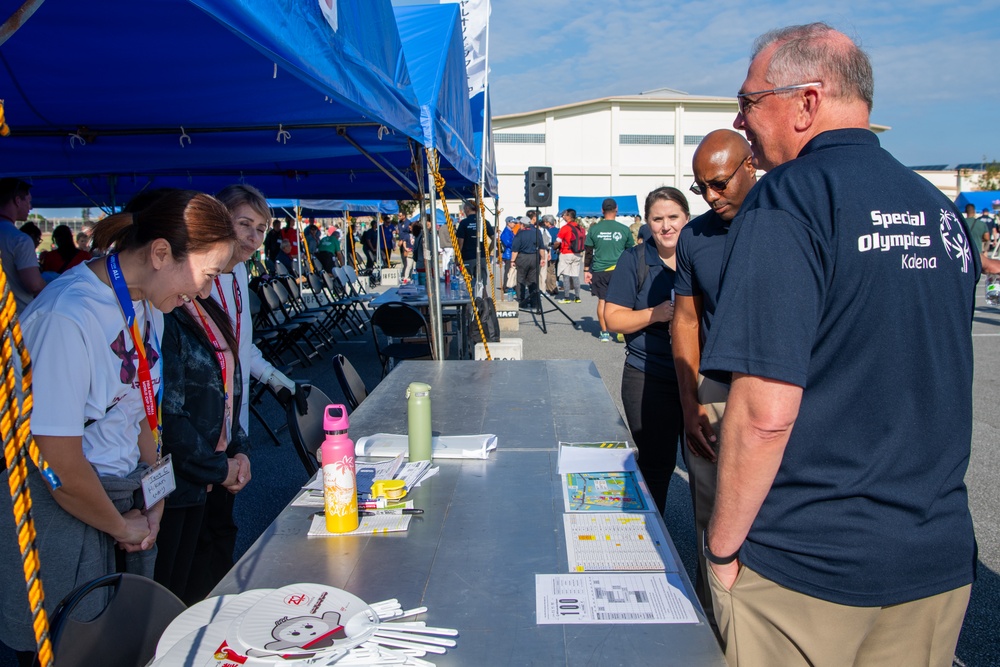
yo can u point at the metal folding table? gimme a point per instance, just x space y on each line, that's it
488 527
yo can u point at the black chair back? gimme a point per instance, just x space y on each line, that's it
351 383
124 633
399 320
306 428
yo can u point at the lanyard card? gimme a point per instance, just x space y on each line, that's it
158 481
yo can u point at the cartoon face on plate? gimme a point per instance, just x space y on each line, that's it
307 632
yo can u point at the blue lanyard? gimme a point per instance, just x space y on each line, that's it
151 400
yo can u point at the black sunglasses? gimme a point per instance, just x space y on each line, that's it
718 186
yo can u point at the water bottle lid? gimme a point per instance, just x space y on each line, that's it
418 389
335 418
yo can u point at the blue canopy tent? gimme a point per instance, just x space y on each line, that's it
263 91
591 206
317 207
980 200
435 57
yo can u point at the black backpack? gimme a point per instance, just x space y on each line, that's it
488 317
578 243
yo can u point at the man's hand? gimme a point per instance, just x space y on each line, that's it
699 432
727 573
587 275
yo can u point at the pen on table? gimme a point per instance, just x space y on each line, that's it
383 512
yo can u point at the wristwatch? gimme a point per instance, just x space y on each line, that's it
712 558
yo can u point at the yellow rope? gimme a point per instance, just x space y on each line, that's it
432 164
15 429
350 239
4 129
309 259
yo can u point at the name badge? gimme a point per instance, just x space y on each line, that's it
158 482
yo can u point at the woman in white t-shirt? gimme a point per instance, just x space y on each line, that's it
91 419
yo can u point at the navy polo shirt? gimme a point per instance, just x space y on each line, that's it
851 276
700 249
468 232
527 241
649 349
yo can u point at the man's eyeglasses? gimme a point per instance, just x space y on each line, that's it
718 186
743 99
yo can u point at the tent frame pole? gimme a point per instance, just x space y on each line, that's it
408 186
431 262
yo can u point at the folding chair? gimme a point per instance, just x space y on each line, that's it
125 632
306 427
336 282
295 330
400 320
351 383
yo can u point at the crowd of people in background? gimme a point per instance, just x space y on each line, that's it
776 308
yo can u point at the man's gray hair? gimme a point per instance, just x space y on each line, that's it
807 53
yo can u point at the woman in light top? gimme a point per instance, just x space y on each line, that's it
640 305
213 556
94 335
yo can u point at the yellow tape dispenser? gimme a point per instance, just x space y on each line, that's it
392 489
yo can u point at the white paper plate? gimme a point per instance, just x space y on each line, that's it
191 619
221 609
305 619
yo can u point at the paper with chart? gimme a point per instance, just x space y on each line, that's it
616 542
611 598
603 492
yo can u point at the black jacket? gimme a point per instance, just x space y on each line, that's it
194 410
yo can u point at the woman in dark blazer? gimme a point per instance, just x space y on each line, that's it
202 390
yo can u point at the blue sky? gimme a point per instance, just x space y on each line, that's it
937 64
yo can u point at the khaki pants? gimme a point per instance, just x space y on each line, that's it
702 479
763 623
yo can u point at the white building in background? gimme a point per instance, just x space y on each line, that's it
625 145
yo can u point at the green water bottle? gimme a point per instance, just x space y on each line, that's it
418 417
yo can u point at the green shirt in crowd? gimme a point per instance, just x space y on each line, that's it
330 244
977 228
609 239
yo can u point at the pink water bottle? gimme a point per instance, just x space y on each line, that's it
340 486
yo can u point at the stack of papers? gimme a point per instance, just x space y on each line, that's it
595 457
444 447
368 525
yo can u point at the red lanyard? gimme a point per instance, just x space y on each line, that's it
237 299
219 354
150 401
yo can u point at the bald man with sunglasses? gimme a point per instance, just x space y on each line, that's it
723 174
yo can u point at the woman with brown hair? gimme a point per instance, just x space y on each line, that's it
93 335
640 305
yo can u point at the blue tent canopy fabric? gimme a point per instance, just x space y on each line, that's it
318 207
162 106
192 117
591 206
435 56
981 200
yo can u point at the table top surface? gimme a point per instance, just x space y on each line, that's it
488 525
449 297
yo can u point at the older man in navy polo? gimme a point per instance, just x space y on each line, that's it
841 533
